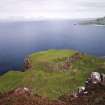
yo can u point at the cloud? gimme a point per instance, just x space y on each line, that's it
33 9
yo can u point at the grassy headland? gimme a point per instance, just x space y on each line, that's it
45 81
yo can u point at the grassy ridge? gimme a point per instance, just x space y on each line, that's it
52 84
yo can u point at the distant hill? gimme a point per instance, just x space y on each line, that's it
98 21
53 73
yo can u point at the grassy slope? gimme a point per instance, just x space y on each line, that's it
51 84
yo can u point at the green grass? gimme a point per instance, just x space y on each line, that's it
52 84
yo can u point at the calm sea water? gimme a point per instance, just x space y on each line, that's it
18 39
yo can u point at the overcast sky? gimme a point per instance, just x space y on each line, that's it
51 9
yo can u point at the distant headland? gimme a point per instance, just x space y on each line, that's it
98 21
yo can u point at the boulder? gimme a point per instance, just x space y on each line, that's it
95 77
22 91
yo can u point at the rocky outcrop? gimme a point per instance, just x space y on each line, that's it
62 64
22 91
27 63
69 60
92 93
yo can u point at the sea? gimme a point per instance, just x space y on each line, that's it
21 38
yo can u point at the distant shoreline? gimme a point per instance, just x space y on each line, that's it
91 24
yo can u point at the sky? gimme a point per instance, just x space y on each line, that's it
51 9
